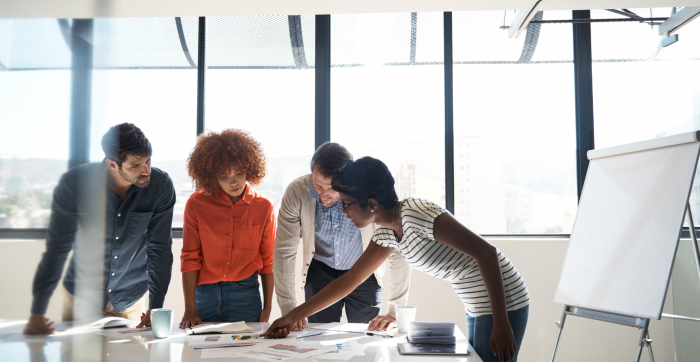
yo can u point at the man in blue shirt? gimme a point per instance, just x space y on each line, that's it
117 213
331 246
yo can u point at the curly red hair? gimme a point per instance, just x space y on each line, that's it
215 153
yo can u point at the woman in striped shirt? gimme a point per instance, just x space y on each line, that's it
433 241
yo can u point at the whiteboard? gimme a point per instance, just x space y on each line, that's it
626 232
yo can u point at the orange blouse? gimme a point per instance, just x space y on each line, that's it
228 242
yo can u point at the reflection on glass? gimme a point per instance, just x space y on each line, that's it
263 86
387 96
642 90
514 143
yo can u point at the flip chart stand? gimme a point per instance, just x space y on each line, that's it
630 321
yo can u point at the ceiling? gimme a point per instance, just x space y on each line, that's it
171 8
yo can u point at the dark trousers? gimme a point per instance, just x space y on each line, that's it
361 305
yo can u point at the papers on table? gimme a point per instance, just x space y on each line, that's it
271 350
343 350
224 340
126 332
354 328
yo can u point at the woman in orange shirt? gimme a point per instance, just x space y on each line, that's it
228 232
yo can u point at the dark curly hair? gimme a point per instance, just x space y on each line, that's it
215 153
364 179
125 139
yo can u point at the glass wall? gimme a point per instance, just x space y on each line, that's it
34 117
514 125
142 76
261 79
387 96
642 90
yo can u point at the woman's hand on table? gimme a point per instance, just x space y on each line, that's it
281 327
382 323
190 319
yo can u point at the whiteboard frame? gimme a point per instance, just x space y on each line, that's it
689 137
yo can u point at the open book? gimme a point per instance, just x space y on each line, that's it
223 328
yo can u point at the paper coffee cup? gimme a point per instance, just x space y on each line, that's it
162 322
404 317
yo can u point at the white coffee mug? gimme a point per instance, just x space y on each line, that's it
404 317
162 322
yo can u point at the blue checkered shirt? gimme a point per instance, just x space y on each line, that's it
338 241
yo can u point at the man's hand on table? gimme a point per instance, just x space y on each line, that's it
38 325
382 323
299 325
145 319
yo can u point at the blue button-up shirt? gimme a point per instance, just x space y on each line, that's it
137 239
338 241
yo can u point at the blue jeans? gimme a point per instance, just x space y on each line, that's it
479 329
229 301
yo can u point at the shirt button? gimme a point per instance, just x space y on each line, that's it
112 274
231 234
110 290
224 274
228 262
337 254
115 257
117 238
119 215
229 248
335 226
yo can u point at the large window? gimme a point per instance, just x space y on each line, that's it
261 79
387 96
143 76
34 118
514 125
642 90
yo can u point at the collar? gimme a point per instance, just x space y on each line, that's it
248 194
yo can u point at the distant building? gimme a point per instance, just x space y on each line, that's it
480 191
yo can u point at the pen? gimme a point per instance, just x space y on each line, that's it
378 335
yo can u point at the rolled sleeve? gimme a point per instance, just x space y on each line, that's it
191 256
267 244
160 240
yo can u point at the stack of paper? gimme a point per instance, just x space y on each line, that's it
431 333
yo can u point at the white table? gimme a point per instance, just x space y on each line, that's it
93 346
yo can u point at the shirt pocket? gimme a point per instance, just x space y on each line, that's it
138 223
247 236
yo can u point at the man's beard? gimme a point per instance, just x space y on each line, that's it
134 181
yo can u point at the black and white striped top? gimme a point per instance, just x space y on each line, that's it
420 249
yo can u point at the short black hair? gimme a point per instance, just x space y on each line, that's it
364 179
123 140
329 157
